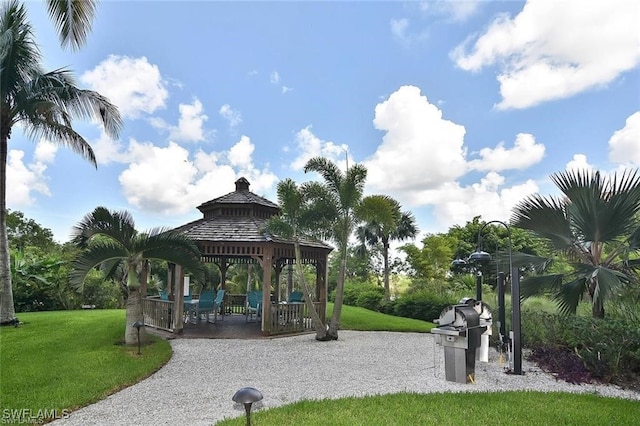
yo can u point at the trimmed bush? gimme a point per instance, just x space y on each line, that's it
608 348
421 305
371 298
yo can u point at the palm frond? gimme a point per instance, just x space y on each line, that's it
546 218
381 210
539 264
119 226
608 281
73 20
569 296
91 257
163 244
66 100
19 54
537 284
328 170
407 227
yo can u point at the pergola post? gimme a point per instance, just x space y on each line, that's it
267 264
178 301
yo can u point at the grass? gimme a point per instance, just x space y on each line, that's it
354 318
64 360
500 408
68 359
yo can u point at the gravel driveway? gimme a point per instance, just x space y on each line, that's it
195 387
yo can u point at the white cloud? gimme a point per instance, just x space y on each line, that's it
190 123
579 163
133 84
400 31
233 117
275 80
525 153
455 204
624 144
554 50
275 77
240 154
457 10
167 180
25 179
399 28
422 160
108 150
416 139
190 126
309 146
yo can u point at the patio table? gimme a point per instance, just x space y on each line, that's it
190 307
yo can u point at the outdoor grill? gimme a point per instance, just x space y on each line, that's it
459 331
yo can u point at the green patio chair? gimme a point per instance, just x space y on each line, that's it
205 304
295 297
252 306
217 305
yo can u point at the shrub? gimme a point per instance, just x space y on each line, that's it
421 305
371 298
353 290
608 348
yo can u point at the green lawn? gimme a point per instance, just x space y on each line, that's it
354 318
68 359
65 360
500 408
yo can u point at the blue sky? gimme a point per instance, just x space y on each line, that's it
456 108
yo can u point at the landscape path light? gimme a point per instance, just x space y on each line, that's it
138 324
247 396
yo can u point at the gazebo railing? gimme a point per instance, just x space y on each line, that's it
289 318
158 313
234 303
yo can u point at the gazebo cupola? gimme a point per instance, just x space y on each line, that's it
240 203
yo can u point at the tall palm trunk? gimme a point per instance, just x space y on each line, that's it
334 325
385 256
133 310
7 308
321 328
133 314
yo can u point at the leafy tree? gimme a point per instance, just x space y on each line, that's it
384 221
23 232
34 278
432 261
298 217
44 104
109 239
596 225
339 196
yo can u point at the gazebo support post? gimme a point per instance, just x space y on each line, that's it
267 264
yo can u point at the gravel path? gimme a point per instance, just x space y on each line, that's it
196 385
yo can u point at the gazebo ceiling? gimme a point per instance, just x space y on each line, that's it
235 221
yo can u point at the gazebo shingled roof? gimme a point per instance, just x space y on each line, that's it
238 217
231 231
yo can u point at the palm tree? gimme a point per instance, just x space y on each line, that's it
73 20
44 104
109 239
298 217
341 193
384 221
596 225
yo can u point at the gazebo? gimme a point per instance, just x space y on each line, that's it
231 232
